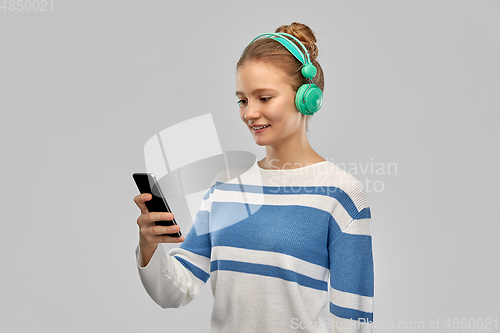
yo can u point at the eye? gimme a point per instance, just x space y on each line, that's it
265 99
242 102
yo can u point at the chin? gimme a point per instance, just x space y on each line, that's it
261 142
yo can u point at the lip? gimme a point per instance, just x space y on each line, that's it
260 130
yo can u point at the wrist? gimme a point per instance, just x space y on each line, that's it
148 247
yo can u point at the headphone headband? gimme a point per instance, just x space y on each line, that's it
281 37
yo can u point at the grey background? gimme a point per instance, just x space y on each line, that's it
84 86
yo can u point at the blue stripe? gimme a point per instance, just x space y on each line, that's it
353 314
342 197
298 231
199 244
267 270
364 214
198 272
351 264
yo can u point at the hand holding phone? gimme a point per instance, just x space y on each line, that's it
147 183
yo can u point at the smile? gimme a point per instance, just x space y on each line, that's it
260 128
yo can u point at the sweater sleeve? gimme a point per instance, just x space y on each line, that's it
175 278
351 271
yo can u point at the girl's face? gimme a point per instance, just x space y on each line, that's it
266 98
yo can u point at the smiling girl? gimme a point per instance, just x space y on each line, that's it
288 238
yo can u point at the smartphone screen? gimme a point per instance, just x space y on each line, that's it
147 183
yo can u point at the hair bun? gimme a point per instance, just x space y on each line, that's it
303 33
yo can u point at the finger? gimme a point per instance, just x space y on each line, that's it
168 239
161 230
160 216
179 239
139 201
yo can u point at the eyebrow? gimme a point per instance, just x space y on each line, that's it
257 91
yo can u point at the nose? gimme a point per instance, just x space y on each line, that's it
252 110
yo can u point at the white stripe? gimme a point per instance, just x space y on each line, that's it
341 216
359 227
313 200
206 205
280 300
281 260
323 174
351 301
238 196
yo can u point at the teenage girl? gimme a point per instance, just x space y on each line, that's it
288 238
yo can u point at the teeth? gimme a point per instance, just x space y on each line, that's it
258 128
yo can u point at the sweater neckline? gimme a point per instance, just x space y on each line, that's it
256 164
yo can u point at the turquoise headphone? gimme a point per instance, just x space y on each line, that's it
309 98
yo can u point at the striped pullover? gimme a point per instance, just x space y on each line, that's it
278 246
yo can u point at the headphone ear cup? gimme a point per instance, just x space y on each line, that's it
309 71
308 99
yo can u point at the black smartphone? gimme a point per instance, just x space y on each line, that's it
147 183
